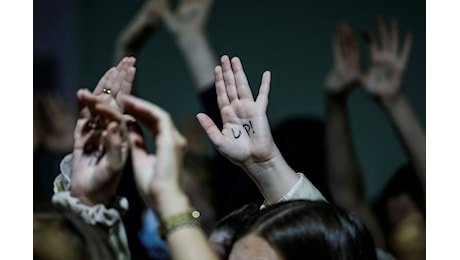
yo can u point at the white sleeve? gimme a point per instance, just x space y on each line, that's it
303 189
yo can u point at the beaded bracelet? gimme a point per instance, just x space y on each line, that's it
188 218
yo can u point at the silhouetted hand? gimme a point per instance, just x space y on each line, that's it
346 70
190 16
384 78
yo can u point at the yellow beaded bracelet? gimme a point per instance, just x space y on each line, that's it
187 218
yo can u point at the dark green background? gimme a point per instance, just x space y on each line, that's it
289 38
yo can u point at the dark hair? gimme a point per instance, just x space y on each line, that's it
61 234
404 181
235 223
317 229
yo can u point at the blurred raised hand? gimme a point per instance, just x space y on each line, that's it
99 154
190 16
388 61
140 28
346 69
384 81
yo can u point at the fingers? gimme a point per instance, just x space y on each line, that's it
264 89
350 43
370 40
156 120
394 38
137 144
86 103
115 140
123 81
231 81
221 92
152 116
210 128
125 63
405 52
336 47
242 85
103 81
127 84
118 78
229 78
383 33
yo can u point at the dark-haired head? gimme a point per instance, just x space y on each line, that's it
238 221
302 228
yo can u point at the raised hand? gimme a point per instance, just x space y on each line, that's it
384 78
246 135
99 155
190 16
157 175
346 70
117 81
143 25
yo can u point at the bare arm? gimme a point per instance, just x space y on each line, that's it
143 25
187 25
384 82
246 139
158 177
344 174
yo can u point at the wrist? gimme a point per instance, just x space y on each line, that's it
274 177
337 85
179 220
191 39
171 203
393 100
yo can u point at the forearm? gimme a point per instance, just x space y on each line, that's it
410 131
344 176
273 177
135 34
198 56
187 241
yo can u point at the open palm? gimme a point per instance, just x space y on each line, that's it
246 131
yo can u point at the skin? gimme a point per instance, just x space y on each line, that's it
144 24
383 82
99 155
344 174
246 138
254 247
157 176
187 25
100 152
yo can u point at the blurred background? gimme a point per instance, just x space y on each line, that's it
74 45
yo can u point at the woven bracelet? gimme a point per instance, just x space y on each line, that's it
189 218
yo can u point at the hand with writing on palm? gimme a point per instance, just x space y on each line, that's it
245 137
